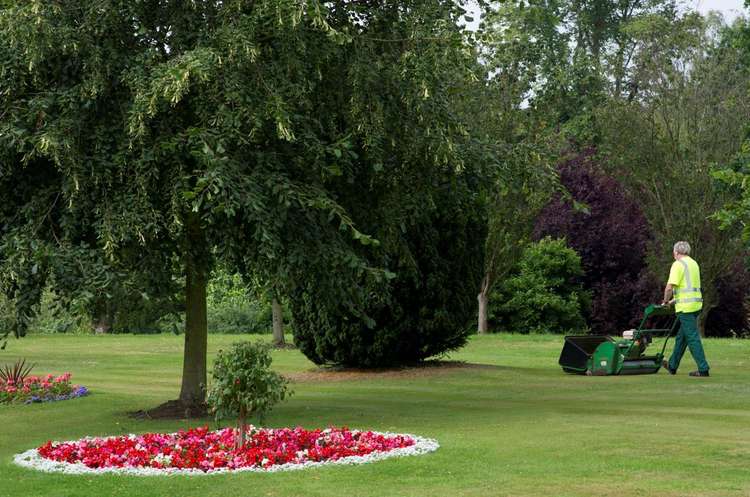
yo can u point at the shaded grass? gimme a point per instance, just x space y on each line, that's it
522 428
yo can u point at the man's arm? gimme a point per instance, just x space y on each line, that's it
668 292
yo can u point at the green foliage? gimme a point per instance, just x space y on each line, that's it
424 309
250 316
55 318
566 56
243 383
664 146
7 317
234 308
514 202
286 139
545 294
409 174
733 176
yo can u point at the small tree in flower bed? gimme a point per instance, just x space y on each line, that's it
244 385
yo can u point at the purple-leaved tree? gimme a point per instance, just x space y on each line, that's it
612 237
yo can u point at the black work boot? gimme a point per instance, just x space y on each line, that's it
665 363
699 373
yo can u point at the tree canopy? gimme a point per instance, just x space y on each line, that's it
160 137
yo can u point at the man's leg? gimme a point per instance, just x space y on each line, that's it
689 327
679 346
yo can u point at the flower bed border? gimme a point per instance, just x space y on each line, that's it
31 459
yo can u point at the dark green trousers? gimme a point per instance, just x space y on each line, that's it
688 337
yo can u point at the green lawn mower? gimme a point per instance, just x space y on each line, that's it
601 355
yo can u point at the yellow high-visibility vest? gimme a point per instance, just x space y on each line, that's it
685 275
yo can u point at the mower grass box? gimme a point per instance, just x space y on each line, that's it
601 355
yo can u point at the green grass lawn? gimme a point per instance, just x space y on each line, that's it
518 427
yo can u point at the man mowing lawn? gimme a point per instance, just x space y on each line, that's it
685 285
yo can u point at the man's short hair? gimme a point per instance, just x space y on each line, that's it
682 248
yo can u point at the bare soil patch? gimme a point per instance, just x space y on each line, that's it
422 370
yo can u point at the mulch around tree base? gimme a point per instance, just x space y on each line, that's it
173 409
423 369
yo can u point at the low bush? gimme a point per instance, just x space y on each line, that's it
544 293
425 310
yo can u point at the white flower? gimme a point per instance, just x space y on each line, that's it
162 459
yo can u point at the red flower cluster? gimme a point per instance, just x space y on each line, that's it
206 450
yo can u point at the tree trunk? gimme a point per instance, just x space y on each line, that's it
102 324
278 322
709 302
239 440
102 320
702 319
483 299
193 391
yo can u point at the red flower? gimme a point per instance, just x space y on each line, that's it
203 450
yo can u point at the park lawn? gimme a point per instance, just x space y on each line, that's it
516 427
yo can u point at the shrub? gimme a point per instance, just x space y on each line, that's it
544 293
612 238
425 310
729 317
231 307
244 385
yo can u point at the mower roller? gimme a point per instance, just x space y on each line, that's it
602 355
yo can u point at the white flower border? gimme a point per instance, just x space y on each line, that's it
32 460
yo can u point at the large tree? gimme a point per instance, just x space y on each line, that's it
572 55
611 236
162 128
175 134
410 176
663 145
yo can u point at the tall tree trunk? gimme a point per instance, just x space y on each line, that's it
278 322
702 319
483 299
102 323
102 320
193 391
709 302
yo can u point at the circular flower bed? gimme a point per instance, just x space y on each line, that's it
32 389
200 451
